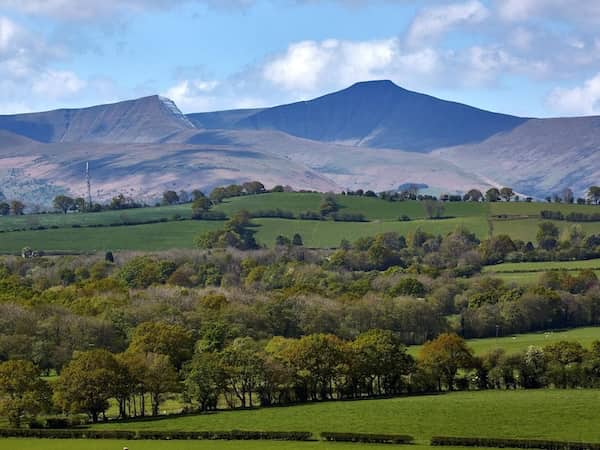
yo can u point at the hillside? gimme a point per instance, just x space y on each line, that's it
148 119
372 135
137 229
380 114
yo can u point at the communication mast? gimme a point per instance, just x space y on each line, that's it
89 184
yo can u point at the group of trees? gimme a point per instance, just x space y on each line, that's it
245 373
14 207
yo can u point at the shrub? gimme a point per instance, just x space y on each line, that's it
367 438
511 443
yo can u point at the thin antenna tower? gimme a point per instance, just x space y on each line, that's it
89 184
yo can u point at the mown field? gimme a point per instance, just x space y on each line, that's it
519 342
529 272
551 414
70 232
57 444
181 234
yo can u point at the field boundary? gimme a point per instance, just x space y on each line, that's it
452 441
234 435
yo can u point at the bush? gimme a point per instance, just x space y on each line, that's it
273 213
156 435
210 215
310 215
511 443
349 217
367 438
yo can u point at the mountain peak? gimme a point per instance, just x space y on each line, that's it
376 83
142 120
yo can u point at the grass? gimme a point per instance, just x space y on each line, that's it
383 217
526 229
534 208
8 223
593 264
529 272
372 208
57 444
181 234
151 237
533 414
326 234
519 342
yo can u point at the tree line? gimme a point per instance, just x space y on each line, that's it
162 359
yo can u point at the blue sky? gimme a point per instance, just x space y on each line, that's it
526 57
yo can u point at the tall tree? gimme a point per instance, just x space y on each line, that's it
444 356
170 198
63 203
593 194
23 394
492 195
507 193
547 235
17 208
87 383
474 195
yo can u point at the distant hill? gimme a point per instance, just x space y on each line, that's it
372 135
380 114
222 120
148 119
539 157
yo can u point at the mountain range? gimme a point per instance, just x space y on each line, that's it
372 135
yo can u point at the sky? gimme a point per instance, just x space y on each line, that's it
536 58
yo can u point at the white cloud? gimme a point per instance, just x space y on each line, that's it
193 95
307 65
432 22
580 100
57 84
584 11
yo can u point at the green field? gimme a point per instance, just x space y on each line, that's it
372 208
180 234
526 229
534 208
529 272
383 216
551 414
100 218
519 342
593 264
57 444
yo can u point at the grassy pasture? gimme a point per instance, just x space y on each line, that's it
383 217
529 272
372 208
593 264
551 414
519 342
57 444
526 229
99 218
534 208
181 234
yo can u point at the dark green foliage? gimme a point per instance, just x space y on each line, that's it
511 443
367 438
157 435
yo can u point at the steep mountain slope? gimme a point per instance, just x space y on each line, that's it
346 166
380 114
221 120
540 157
373 135
35 172
148 119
